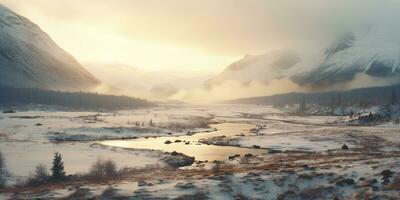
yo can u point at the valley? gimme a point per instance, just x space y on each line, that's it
240 151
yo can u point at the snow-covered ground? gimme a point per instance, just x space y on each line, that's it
28 138
309 157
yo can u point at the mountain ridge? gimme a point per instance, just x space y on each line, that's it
30 58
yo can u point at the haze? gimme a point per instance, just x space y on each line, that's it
193 38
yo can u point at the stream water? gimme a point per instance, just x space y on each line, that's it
195 148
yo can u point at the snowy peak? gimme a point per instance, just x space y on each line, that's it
366 56
373 51
343 42
30 58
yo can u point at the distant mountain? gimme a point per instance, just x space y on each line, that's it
260 68
30 58
372 53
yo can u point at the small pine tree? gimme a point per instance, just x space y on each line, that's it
57 170
302 107
370 116
339 100
332 105
3 171
394 98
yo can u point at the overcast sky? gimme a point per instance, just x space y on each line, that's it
193 35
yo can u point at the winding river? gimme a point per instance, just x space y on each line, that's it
194 147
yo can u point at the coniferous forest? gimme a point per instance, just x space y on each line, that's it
82 100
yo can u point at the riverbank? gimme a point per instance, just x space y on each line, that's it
303 158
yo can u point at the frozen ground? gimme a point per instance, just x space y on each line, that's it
307 157
28 138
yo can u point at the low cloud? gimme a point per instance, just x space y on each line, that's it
233 89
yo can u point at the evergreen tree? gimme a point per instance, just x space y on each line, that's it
57 170
3 171
332 105
303 107
394 99
339 100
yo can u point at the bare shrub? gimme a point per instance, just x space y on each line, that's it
3 171
40 177
80 193
198 195
108 193
103 169
2 161
241 196
41 172
216 168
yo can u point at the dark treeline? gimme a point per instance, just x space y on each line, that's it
364 96
82 100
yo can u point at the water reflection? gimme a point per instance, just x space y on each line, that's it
194 148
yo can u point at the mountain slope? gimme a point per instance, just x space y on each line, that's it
29 58
373 52
368 56
371 95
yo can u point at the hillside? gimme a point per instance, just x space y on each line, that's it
30 58
373 95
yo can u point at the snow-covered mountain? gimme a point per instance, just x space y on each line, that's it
372 52
30 58
260 68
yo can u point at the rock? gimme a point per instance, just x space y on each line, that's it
9 111
272 151
185 186
167 142
306 167
142 183
345 181
369 183
386 173
373 181
161 181
249 155
345 147
234 156
386 181
178 160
